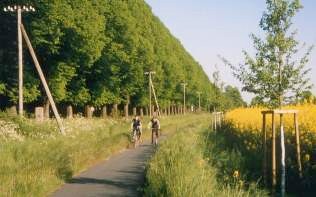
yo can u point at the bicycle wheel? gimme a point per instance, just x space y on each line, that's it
155 136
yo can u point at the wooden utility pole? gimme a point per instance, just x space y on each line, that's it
184 108
41 75
153 89
199 93
149 88
19 9
20 63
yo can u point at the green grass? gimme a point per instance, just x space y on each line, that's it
43 159
190 164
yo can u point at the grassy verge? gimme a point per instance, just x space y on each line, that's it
40 159
190 163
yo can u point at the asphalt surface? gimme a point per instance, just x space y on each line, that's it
120 175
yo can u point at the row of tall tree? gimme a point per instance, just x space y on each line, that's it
96 53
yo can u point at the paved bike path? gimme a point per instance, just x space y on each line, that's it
120 175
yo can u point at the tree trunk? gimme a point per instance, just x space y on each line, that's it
134 111
104 112
69 112
147 111
12 110
126 110
46 109
114 110
88 111
141 112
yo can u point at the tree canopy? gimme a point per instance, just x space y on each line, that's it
275 74
96 52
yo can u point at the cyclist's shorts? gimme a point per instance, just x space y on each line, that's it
155 132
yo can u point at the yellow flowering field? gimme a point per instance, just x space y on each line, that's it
251 118
244 131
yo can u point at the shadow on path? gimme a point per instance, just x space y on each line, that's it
121 175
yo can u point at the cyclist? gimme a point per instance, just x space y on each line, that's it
136 128
155 127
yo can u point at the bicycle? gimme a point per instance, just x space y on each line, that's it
154 136
136 134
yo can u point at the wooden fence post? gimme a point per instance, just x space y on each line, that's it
264 143
39 114
273 154
298 149
69 112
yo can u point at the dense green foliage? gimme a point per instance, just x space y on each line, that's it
96 52
275 74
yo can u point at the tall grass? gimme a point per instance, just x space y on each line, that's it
43 159
186 165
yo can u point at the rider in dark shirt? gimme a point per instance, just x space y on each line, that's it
137 127
155 127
